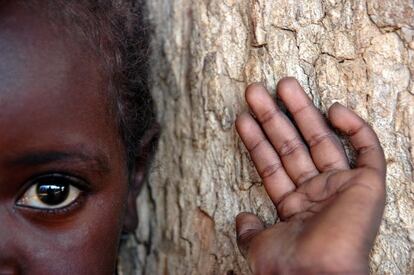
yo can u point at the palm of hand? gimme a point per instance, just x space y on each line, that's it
329 213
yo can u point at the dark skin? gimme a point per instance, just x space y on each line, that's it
55 129
329 213
56 133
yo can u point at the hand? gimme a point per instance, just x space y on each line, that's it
329 214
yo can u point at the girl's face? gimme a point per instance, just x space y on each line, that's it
63 178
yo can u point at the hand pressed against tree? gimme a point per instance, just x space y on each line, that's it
329 213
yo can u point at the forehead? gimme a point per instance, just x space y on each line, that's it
49 84
36 56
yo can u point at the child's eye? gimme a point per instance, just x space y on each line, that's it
54 191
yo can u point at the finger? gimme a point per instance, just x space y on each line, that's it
247 227
282 134
362 137
276 182
326 150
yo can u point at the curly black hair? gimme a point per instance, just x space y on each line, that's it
119 33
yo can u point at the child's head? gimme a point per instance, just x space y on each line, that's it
77 129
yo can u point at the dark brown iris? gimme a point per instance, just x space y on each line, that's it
52 191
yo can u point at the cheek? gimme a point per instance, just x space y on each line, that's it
88 241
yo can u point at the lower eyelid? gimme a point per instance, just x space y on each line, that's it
48 214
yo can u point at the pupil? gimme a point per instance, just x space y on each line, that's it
52 193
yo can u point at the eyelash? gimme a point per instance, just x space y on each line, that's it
75 181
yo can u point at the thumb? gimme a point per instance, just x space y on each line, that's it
247 227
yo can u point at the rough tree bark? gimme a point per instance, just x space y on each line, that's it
357 52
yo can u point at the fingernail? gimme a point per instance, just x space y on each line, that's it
257 85
336 103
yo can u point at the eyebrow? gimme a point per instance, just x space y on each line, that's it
96 161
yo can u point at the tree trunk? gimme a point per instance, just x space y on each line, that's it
357 52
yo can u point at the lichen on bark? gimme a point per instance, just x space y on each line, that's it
359 53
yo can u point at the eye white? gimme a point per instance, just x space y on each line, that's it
31 198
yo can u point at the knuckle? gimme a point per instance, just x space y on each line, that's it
256 145
301 109
270 170
367 149
268 115
317 139
289 146
304 176
332 165
358 129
